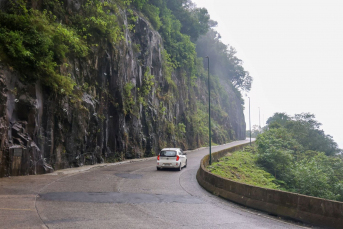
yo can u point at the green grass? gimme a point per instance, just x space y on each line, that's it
241 166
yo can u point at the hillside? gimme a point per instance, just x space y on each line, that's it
85 82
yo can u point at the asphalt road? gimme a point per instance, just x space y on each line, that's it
125 195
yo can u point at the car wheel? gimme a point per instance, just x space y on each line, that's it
180 167
186 164
158 168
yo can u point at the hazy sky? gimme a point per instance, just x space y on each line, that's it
294 52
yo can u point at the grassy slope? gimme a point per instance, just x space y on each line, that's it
241 166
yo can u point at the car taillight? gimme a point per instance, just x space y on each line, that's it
177 157
158 157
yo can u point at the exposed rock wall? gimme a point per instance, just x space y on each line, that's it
41 131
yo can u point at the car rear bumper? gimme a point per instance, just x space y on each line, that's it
168 165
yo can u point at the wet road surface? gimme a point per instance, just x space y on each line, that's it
129 195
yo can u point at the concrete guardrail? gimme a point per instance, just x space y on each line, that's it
307 209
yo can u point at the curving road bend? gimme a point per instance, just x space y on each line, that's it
129 195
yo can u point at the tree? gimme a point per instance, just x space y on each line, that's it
225 64
276 151
256 130
194 21
314 176
280 118
139 3
291 150
306 130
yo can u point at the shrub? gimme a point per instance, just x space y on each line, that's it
33 44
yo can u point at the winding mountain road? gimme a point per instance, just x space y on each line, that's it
124 195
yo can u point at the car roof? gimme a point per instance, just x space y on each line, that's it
171 149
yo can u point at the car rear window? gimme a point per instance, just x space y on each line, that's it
168 153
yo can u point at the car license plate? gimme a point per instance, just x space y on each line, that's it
167 164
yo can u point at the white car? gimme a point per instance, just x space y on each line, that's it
171 158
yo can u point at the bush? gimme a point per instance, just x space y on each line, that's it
307 172
33 44
242 167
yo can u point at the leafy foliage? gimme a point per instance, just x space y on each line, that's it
32 43
285 151
194 21
181 130
280 118
153 13
177 21
315 176
276 150
129 101
147 84
305 129
168 67
139 3
97 21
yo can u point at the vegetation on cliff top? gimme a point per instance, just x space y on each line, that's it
36 35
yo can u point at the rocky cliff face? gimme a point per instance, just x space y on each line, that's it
112 120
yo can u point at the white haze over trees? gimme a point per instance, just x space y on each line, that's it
294 52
